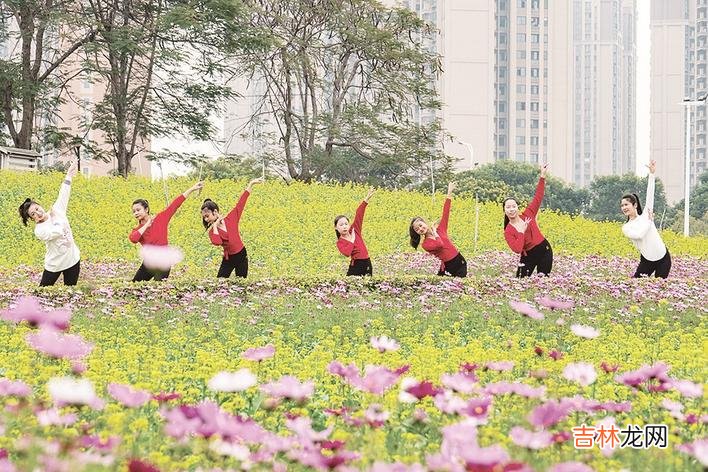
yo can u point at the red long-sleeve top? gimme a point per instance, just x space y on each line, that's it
524 242
441 247
156 234
356 249
230 239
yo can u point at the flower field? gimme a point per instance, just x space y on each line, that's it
298 368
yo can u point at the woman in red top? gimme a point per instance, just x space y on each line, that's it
437 242
350 241
523 235
153 230
223 231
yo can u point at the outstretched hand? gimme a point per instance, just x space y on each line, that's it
652 166
544 168
253 182
450 189
73 169
370 194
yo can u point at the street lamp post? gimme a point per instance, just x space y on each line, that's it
688 103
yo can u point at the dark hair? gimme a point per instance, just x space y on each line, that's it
634 200
415 237
336 220
143 203
24 210
506 218
210 205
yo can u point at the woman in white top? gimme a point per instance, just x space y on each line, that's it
640 229
53 228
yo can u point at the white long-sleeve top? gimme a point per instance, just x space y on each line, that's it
642 231
62 251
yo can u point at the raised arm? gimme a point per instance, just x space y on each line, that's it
241 204
442 227
62 202
535 204
651 185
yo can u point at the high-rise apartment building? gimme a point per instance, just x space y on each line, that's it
679 37
604 65
533 93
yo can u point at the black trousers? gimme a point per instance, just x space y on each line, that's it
144 274
538 257
660 268
71 276
360 267
237 263
456 267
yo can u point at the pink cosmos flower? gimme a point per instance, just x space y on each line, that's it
289 387
526 309
561 437
478 408
647 375
70 391
376 416
259 353
500 366
127 395
584 331
51 416
555 304
555 354
698 449
485 458
166 396
460 382
687 388
384 344
28 309
529 439
6 465
449 403
237 381
161 258
580 372
571 467
302 427
548 414
609 367
233 449
315 459
135 465
14 388
57 344
458 437
423 389
99 444
376 379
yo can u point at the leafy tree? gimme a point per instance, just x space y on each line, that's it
502 179
607 191
699 199
163 62
341 83
227 167
47 33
